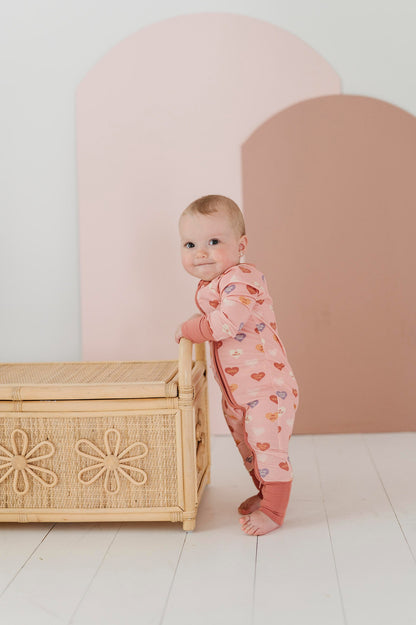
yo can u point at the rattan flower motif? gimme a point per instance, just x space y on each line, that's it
23 463
113 463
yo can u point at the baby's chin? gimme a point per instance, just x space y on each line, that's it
207 274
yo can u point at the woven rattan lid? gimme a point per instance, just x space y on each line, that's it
88 380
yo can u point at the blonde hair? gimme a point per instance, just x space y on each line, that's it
209 204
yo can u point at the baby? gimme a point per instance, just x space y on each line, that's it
259 390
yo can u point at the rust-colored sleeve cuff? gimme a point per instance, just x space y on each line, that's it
197 330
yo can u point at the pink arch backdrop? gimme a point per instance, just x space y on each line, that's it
160 121
334 177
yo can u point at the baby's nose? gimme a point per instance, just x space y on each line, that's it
202 252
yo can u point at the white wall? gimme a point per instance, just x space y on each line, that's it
47 47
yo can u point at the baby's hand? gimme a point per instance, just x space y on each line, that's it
178 333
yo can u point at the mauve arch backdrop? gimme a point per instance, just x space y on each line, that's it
335 180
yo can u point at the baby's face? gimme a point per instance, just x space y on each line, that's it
210 245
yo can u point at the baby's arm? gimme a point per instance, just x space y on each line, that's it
187 331
196 329
228 318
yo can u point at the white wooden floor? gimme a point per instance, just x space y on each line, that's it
346 554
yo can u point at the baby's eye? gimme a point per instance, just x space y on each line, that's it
213 241
189 244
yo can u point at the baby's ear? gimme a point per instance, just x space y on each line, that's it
243 244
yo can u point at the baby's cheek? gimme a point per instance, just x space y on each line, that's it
223 255
186 261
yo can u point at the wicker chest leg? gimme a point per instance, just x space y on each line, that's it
189 525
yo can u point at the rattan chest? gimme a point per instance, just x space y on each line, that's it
104 441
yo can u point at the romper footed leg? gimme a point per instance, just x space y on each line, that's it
268 429
265 511
275 500
271 512
252 503
234 418
235 421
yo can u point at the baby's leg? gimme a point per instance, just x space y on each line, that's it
235 421
252 503
271 513
269 427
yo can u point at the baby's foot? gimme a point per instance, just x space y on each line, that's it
250 505
257 524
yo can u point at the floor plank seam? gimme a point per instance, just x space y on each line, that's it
253 600
388 497
71 620
341 598
26 561
162 618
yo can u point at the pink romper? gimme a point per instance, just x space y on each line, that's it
260 393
